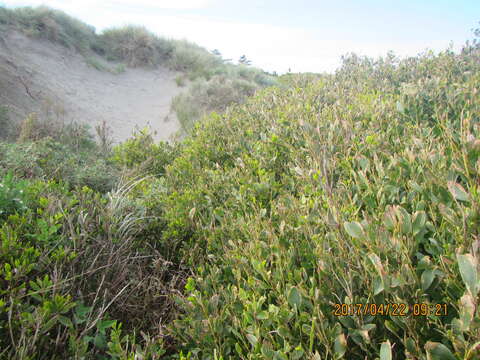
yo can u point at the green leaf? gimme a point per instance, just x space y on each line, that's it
439 351
468 270
347 321
378 285
283 332
190 285
267 351
87 339
297 354
375 259
213 302
410 345
386 351
99 341
252 339
82 310
65 321
280 356
262 315
340 345
105 324
420 218
427 278
354 229
457 191
466 311
360 336
294 297
405 220
448 214
238 348
390 325
389 220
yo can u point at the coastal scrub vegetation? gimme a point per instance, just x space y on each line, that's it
241 241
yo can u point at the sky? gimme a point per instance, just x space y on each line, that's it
282 35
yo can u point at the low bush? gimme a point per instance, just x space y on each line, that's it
360 188
141 155
96 64
11 196
334 216
180 80
48 150
76 280
49 159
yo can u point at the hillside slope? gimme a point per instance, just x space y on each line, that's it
41 76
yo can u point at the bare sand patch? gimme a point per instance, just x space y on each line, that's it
41 76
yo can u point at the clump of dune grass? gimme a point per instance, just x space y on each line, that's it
226 85
47 23
134 45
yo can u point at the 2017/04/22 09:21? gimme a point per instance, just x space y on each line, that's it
392 309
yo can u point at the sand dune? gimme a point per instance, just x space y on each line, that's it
47 78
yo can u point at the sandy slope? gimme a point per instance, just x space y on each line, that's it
37 75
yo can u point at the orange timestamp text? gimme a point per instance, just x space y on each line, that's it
390 309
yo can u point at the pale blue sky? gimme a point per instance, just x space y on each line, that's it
304 35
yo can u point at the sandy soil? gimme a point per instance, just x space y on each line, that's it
39 76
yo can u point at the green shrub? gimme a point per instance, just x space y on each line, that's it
11 196
359 188
49 159
77 278
96 64
180 80
356 188
220 86
142 155
119 69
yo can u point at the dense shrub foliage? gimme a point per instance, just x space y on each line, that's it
141 156
359 188
80 262
74 277
65 153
